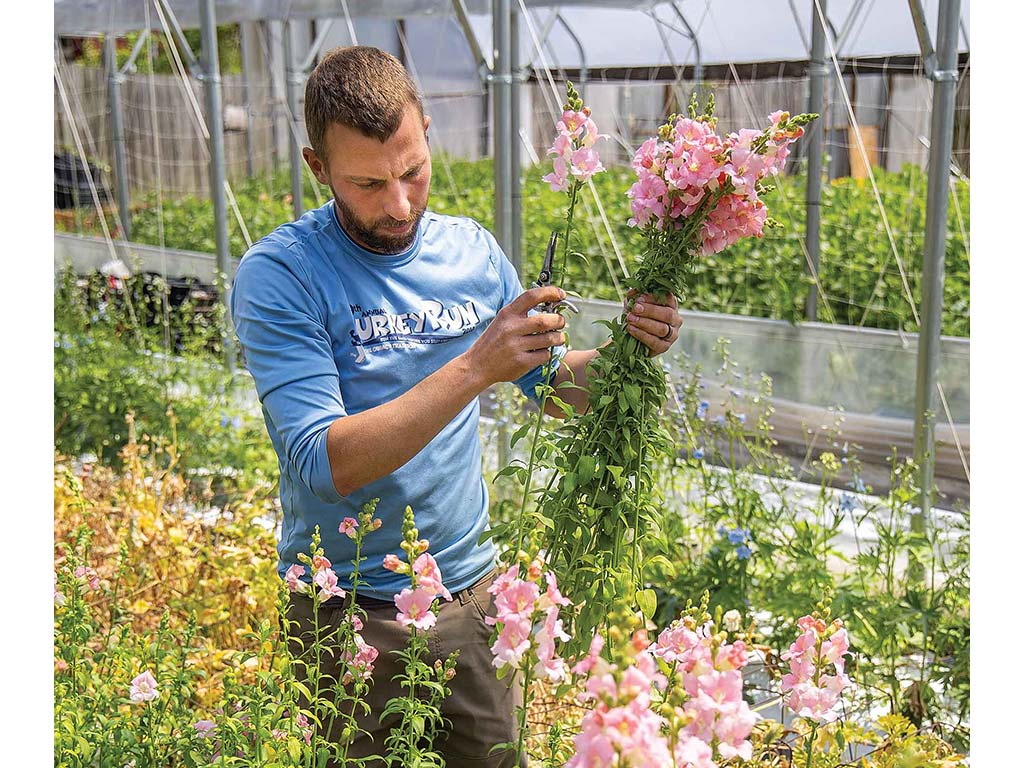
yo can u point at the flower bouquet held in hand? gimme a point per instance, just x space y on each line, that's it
696 193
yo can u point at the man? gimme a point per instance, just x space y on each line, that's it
370 326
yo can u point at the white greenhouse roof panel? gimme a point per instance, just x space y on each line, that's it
71 17
737 32
613 33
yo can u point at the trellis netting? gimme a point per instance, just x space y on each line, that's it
635 62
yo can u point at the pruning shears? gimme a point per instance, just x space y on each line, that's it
544 279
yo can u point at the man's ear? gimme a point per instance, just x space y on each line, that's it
317 166
426 123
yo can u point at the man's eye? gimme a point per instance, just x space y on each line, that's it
369 185
413 173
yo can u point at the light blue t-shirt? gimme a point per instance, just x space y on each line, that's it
329 329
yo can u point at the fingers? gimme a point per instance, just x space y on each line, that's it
658 329
543 341
529 299
543 322
653 343
653 321
657 309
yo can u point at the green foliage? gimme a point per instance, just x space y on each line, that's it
161 62
114 373
742 535
757 277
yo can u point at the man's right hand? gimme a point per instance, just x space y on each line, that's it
515 343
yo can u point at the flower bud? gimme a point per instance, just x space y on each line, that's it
731 620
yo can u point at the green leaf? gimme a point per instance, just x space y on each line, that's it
647 602
585 470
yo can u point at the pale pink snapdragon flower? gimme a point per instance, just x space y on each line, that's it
143 688
361 662
621 728
293 576
327 580
85 574
817 678
428 576
349 526
573 149
414 608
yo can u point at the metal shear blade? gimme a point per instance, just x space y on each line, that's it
544 279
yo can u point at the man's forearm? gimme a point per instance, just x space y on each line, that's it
366 446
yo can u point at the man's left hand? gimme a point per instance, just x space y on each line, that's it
653 321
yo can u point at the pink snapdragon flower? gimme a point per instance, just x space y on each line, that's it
817 678
715 711
548 662
327 580
414 608
573 149
320 563
513 641
58 597
348 527
428 576
204 727
621 728
86 574
143 688
292 577
392 563
515 600
361 662
307 731
523 611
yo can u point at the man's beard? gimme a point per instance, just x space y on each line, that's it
373 237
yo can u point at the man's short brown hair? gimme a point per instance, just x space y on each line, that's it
360 87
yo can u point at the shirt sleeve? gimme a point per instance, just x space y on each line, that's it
288 352
511 288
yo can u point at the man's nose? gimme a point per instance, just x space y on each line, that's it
397 205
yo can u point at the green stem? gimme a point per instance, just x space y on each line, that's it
810 744
522 715
533 456
547 370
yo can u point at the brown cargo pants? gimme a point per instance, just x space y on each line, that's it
480 709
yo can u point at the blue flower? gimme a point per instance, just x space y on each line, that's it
698 454
236 422
847 503
742 418
720 530
734 392
743 552
702 409
858 485
739 535
224 421
720 420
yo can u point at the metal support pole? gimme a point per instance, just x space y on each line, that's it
215 122
515 144
584 70
502 89
815 105
252 79
932 278
292 80
114 78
